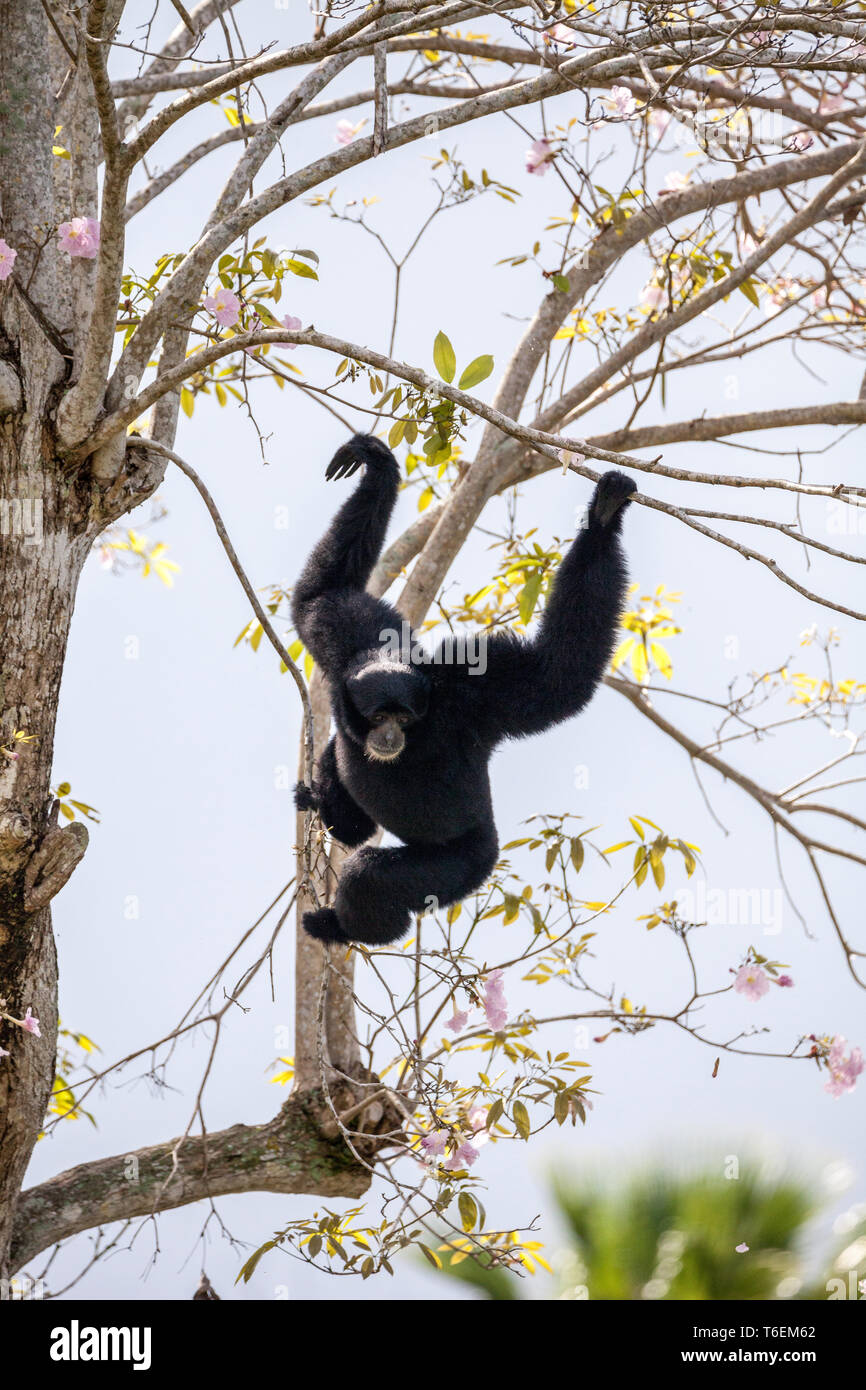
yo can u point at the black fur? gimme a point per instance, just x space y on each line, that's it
436 795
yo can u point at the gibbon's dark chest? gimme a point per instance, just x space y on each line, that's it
431 793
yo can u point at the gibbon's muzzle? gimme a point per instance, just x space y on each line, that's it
386 740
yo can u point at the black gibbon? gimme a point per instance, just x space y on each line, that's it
414 729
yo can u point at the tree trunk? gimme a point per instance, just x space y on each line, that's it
43 545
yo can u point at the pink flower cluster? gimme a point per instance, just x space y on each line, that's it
8 256
224 305
495 1003
434 1144
844 1069
28 1023
79 237
751 981
538 157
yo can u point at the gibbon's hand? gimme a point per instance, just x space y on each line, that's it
612 495
361 448
305 798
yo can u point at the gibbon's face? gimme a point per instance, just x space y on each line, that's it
390 696
386 739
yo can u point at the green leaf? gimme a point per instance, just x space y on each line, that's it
561 282
529 596
306 272
748 289
577 854
444 359
478 370
468 1211
521 1119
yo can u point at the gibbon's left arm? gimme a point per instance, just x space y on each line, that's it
531 684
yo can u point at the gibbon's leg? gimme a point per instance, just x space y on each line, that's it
380 888
342 816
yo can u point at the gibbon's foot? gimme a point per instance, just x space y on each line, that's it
612 493
305 798
361 448
324 925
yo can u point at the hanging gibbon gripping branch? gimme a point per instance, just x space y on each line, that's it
415 730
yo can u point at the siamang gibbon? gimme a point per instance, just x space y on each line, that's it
415 729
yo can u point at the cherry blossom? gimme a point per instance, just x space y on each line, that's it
751 981
293 324
652 297
785 981
844 1069
538 157
560 33
659 120
346 132
457 1022
494 1001
801 141
80 237
31 1024
464 1157
828 104
621 102
224 305
8 255
434 1144
676 181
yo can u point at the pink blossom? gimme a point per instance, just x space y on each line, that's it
31 1024
224 305
465 1156
818 297
828 104
560 33
844 1070
346 132
746 244
652 297
620 102
80 237
293 324
659 120
779 295
741 1249
494 1002
7 259
538 157
434 1144
457 1022
801 141
676 181
785 981
751 981
478 1125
